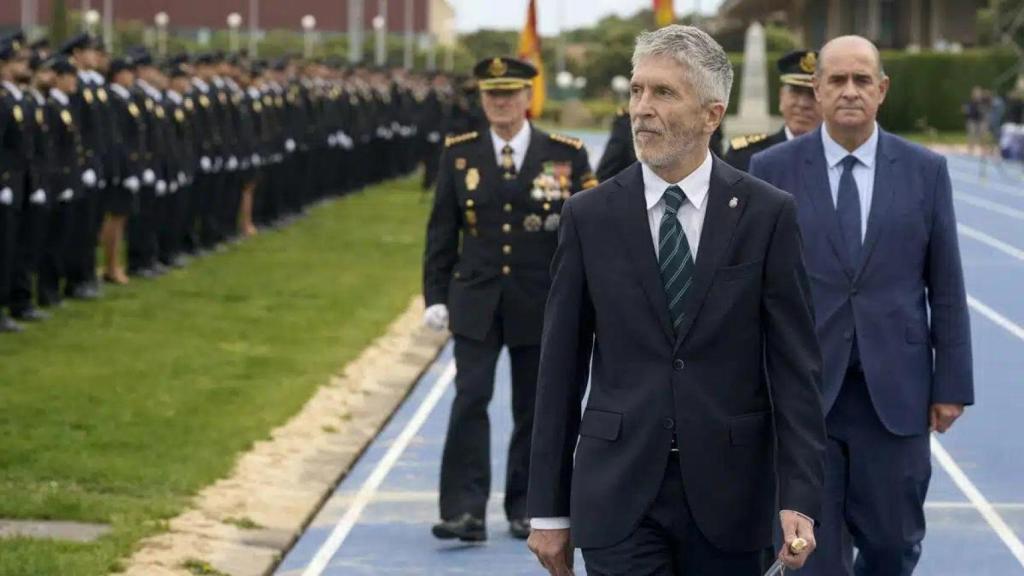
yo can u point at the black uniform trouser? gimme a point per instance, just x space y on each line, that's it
208 192
58 237
8 237
32 222
84 235
466 461
228 203
431 164
668 542
188 224
168 215
142 231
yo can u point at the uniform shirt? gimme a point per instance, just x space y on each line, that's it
863 171
519 143
14 90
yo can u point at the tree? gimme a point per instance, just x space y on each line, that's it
59 23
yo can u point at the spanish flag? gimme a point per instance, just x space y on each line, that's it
664 14
529 50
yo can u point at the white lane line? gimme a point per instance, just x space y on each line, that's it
984 507
1003 187
992 241
988 312
1005 506
370 486
989 205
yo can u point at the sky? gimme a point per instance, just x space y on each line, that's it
471 15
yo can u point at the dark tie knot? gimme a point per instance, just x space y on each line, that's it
674 198
507 150
849 162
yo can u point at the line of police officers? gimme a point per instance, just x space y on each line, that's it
181 156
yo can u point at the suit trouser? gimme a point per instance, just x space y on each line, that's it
668 542
875 487
466 461
142 231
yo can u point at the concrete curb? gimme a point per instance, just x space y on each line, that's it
241 525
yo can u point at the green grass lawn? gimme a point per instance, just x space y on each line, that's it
117 411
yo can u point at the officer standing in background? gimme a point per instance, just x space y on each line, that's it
500 192
800 111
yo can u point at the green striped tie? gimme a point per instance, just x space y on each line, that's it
674 256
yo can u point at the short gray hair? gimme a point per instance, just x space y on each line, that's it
709 67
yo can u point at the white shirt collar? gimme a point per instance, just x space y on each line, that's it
174 97
519 143
14 90
203 86
695 186
59 96
789 133
120 91
834 152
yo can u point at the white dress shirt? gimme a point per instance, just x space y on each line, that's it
14 90
863 171
519 143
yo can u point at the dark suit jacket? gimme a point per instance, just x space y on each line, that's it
739 158
748 321
910 268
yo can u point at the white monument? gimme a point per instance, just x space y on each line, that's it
753 114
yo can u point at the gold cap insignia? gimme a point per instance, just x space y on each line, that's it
809 62
497 68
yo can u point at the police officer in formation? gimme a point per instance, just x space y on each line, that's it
800 111
174 158
490 240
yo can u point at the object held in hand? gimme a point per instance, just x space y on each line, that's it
778 568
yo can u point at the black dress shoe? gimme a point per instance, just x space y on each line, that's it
519 528
145 273
29 315
466 528
9 326
83 292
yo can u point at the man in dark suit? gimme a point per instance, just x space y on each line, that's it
680 285
500 193
877 215
800 113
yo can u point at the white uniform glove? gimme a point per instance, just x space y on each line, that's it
89 177
256 160
38 197
435 317
7 196
182 179
205 163
289 145
149 176
332 140
103 184
161 187
67 195
232 164
434 137
132 183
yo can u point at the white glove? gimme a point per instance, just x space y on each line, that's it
182 179
289 145
434 137
132 183
205 163
217 163
38 197
67 195
232 164
161 187
256 160
89 177
148 176
435 317
332 141
103 184
173 187
7 196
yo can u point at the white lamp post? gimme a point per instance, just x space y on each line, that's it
379 38
564 79
234 21
92 18
620 85
308 25
161 19
449 56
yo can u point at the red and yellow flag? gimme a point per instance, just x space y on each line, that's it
664 13
529 50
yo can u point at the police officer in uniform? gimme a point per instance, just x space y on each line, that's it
500 191
799 109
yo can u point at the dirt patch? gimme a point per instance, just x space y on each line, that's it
241 525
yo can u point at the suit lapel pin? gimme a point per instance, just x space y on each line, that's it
734 202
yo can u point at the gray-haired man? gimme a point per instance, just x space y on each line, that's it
680 284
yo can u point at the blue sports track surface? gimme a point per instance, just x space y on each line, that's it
378 521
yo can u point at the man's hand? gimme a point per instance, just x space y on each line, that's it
553 549
435 317
942 416
795 526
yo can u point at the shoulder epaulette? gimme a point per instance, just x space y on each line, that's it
459 139
567 140
741 142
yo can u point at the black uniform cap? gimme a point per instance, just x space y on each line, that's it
797 68
504 74
119 65
60 64
79 42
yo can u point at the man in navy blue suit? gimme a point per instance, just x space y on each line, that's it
679 289
876 215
